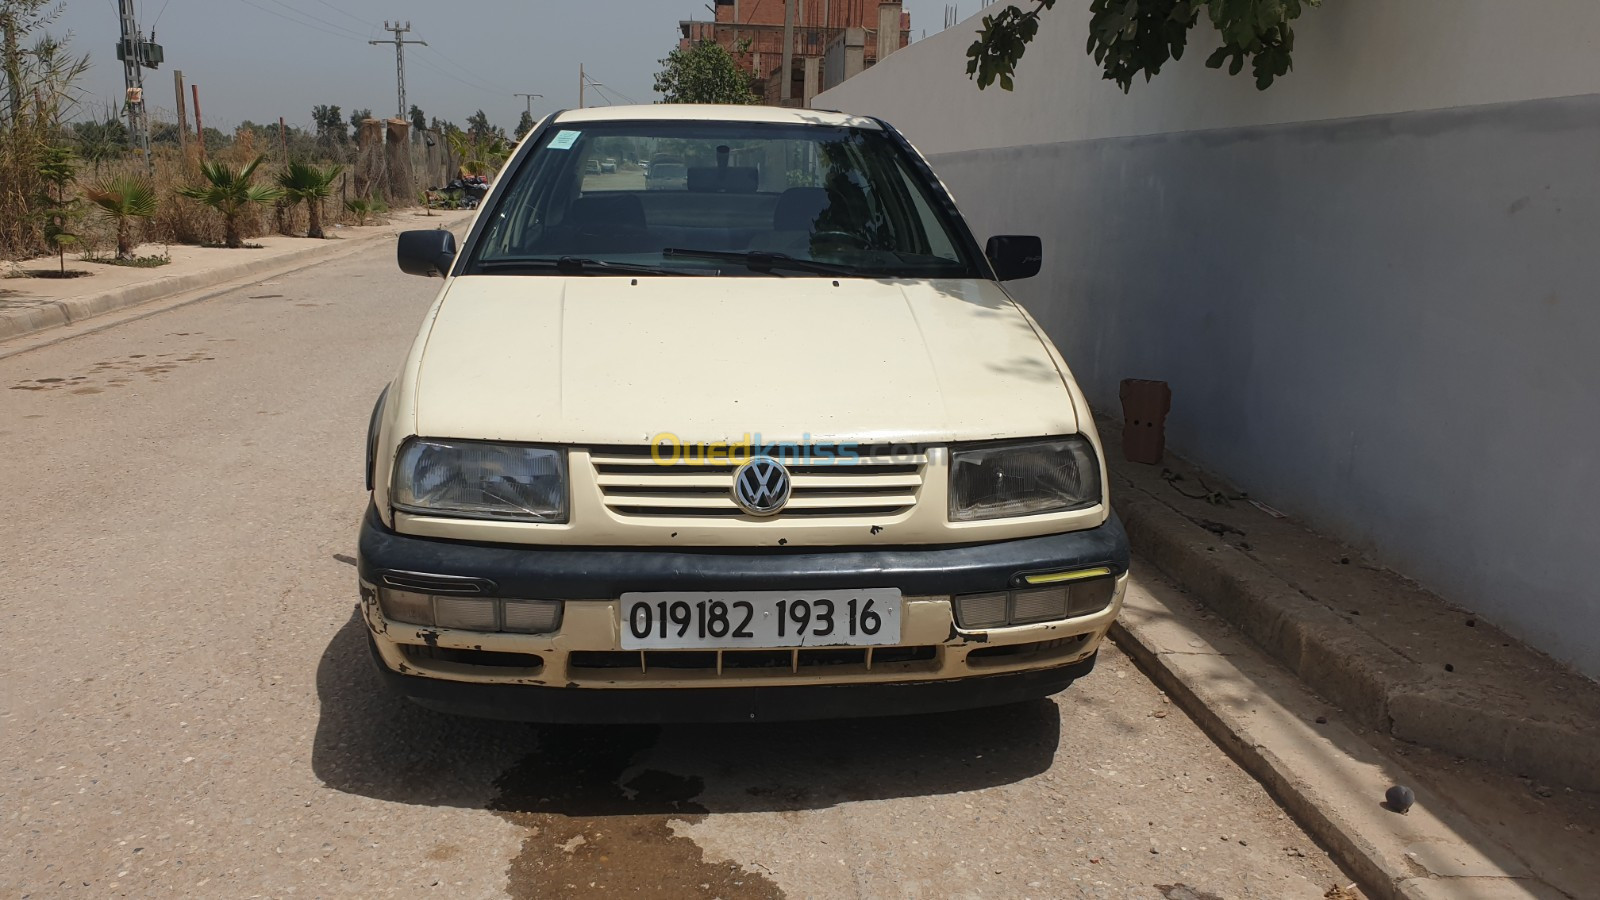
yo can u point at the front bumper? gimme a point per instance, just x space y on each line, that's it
579 673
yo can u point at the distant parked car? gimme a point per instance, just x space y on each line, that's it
608 166
667 176
591 166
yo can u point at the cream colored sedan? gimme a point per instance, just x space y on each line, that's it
770 442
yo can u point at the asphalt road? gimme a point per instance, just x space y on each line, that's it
188 708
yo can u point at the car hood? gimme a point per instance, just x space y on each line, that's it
608 360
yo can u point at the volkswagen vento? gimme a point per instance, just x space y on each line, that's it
768 442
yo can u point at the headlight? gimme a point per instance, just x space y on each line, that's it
1023 479
481 481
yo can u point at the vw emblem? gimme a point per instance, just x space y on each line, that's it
761 486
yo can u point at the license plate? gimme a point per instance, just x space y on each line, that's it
681 620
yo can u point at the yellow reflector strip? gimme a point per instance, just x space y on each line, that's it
1058 577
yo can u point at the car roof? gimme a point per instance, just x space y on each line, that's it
692 112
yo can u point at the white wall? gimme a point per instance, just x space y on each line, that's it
1352 58
1375 288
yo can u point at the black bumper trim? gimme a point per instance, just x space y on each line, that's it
568 573
594 706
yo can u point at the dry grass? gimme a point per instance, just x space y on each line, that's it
178 220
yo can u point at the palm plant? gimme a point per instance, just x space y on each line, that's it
124 198
479 154
231 192
305 182
363 208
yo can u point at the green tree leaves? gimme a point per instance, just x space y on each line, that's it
1128 38
706 73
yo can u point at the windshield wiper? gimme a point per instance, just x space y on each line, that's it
763 260
577 265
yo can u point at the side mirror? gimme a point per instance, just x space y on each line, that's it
1015 256
426 253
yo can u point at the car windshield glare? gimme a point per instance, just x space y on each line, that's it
833 200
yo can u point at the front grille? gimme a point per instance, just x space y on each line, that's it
485 659
1035 651
732 662
633 484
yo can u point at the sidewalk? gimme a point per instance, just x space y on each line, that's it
1397 659
31 305
1474 833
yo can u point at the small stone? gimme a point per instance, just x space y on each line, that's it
1322 720
1400 798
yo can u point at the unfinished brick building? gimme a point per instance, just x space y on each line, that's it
833 40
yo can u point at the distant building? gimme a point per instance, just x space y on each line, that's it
833 40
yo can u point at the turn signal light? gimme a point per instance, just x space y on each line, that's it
1066 599
470 613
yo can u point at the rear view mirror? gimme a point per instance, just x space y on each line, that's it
1015 256
427 253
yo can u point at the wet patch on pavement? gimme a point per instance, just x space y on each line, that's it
118 372
596 828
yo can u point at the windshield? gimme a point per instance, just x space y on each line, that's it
730 198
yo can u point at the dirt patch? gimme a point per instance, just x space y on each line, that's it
595 829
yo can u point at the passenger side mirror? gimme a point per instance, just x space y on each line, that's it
427 253
1015 256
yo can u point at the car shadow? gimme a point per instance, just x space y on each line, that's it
375 744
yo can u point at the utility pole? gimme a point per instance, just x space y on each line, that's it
786 87
529 98
131 51
183 115
199 130
581 81
399 58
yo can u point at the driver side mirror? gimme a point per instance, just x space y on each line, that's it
1015 256
427 253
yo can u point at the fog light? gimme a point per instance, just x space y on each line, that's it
1089 597
982 610
532 616
405 606
1039 605
467 613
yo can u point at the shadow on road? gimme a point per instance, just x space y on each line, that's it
372 743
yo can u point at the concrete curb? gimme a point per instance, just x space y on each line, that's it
1324 774
1379 687
57 313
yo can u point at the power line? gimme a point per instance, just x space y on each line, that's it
300 12
272 12
600 86
427 65
482 82
371 26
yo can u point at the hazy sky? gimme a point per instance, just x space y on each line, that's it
261 59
